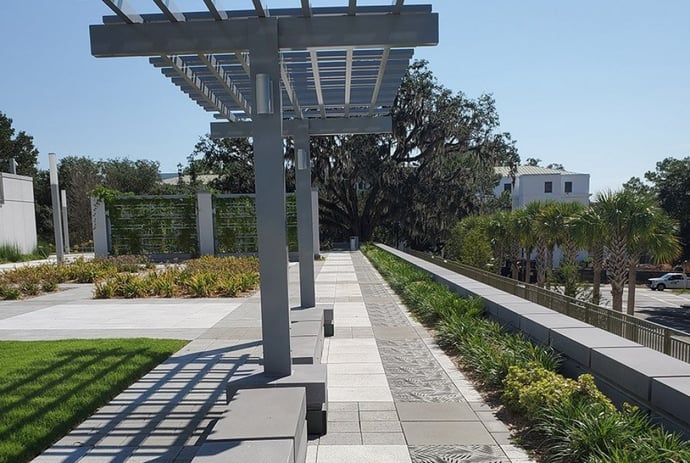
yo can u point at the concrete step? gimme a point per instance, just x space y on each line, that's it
310 377
259 424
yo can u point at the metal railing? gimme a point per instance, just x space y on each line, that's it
667 340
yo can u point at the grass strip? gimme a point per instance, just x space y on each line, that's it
48 387
565 420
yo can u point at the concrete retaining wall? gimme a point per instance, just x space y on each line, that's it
625 371
17 217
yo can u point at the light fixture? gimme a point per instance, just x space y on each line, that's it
302 163
264 94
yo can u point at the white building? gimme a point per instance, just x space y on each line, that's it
543 184
17 218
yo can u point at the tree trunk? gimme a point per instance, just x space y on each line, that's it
514 251
541 263
549 263
632 279
500 259
528 264
569 253
597 264
617 271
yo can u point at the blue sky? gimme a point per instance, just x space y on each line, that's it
602 87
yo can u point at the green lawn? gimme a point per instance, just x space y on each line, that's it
48 387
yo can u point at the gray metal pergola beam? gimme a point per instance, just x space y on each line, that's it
193 80
316 127
124 11
193 37
217 14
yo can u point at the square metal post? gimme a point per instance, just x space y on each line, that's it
305 233
267 136
204 223
99 222
65 223
55 196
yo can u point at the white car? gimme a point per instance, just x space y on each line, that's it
670 280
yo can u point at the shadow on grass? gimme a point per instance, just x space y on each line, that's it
178 392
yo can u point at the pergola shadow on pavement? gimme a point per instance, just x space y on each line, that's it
393 395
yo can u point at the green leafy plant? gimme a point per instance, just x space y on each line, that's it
573 420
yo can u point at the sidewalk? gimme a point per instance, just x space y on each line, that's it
393 395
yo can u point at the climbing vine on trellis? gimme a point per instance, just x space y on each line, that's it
168 224
153 225
235 223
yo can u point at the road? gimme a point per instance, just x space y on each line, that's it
662 307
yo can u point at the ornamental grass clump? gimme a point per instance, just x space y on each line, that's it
32 280
204 277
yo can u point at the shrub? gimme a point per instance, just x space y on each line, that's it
11 293
575 420
10 253
104 290
534 389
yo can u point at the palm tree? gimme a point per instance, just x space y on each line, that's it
549 225
620 220
567 238
657 236
632 223
524 232
537 237
497 229
514 225
588 230
557 227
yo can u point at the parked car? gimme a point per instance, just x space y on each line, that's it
669 280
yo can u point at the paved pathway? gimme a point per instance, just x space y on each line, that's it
393 395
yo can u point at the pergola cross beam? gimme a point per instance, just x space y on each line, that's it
124 11
313 55
189 76
218 15
228 85
294 33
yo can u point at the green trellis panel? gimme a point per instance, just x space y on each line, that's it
153 225
235 223
167 224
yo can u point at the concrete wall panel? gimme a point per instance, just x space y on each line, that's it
17 217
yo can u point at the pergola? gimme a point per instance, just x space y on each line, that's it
268 74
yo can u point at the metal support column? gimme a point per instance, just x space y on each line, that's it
204 223
65 223
267 135
315 220
99 222
305 234
55 196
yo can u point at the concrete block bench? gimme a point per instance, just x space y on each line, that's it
312 378
322 313
259 425
306 339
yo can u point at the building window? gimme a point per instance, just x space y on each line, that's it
507 187
568 187
548 187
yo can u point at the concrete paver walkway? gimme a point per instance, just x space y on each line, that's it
393 395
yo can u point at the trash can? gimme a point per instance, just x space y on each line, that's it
354 243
